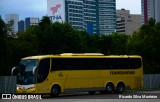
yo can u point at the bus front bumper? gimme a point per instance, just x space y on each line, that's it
29 90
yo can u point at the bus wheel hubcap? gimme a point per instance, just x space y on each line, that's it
55 91
109 88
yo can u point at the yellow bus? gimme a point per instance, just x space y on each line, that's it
70 72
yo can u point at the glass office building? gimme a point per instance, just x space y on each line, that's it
106 16
94 16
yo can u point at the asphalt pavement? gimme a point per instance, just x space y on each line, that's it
128 96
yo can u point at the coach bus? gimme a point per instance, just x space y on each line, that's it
70 72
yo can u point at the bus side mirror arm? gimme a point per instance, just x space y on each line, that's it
13 69
34 70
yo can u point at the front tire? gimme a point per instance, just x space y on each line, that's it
55 91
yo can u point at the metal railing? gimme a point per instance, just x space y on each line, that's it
8 84
151 81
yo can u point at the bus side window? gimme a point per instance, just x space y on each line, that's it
56 64
108 63
118 63
135 63
43 70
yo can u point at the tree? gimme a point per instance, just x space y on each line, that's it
105 44
93 42
63 38
3 45
119 42
146 43
58 38
9 29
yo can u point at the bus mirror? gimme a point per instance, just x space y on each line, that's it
34 70
14 70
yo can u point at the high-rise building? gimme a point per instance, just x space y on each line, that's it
21 26
15 19
150 9
75 13
127 23
94 16
31 21
106 16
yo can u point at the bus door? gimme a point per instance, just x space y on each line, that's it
42 85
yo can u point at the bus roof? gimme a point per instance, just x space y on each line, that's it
81 55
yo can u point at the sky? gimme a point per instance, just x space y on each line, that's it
38 8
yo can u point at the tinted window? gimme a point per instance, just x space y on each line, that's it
94 63
123 63
118 63
135 63
78 63
43 70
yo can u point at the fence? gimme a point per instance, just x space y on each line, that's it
151 81
8 84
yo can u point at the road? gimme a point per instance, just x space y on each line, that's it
143 96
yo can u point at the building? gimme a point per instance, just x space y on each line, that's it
15 19
31 21
75 13
150 9
106 16
21 26
94 16
56 10
127 23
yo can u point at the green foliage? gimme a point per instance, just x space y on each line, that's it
3 45
119 43
56 38
146 43
59 38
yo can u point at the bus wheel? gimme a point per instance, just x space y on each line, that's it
55 91
120 87
91 92
109 88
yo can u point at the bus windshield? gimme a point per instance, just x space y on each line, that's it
25 74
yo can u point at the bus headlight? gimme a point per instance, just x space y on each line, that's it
17 88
